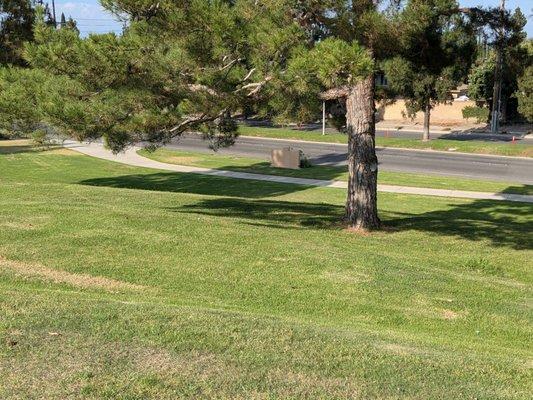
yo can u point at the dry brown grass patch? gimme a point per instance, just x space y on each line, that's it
183 160
382 231
62 151
449 314
85 281
15 143
358 231
25 226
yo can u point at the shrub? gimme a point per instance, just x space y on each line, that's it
481 114
41 138
304 161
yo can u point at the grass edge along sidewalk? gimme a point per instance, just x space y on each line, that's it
447 145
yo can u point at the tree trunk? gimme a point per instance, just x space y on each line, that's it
503 110
361 203
497 89
495 120
427 113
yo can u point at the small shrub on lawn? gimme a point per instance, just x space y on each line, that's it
481 114
41 138
304 161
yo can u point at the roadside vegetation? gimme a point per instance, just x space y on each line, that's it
259 166
124 293
471 146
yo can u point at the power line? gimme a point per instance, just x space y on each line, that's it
97 19
96 25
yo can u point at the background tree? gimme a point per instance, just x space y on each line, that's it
436 49
16 27
481 77
524 94
505 32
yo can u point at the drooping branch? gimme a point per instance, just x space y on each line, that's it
198 119
197 87
254 87
194 120
335 93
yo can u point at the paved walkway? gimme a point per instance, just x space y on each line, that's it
131 157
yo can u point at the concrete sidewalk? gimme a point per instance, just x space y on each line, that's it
130 157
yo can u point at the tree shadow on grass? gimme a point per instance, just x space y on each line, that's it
502 223
197 184
23 146
272 213
7 148
474 137
324 172
522 189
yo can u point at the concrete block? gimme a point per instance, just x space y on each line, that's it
286 158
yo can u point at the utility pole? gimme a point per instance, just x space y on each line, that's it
497 91
323 117
54 13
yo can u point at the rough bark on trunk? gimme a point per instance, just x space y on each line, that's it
494 123
503 111
361 203
427 113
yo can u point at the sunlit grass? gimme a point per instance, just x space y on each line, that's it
207 287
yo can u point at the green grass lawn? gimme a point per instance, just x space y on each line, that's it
126 283
258 166
473 146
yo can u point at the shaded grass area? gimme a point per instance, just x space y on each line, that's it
258 166
237 289
472 146
21 146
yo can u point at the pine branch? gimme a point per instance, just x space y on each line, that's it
335 93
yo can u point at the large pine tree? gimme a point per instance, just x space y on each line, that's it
328 50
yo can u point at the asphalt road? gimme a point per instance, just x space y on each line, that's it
406 133
508 169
